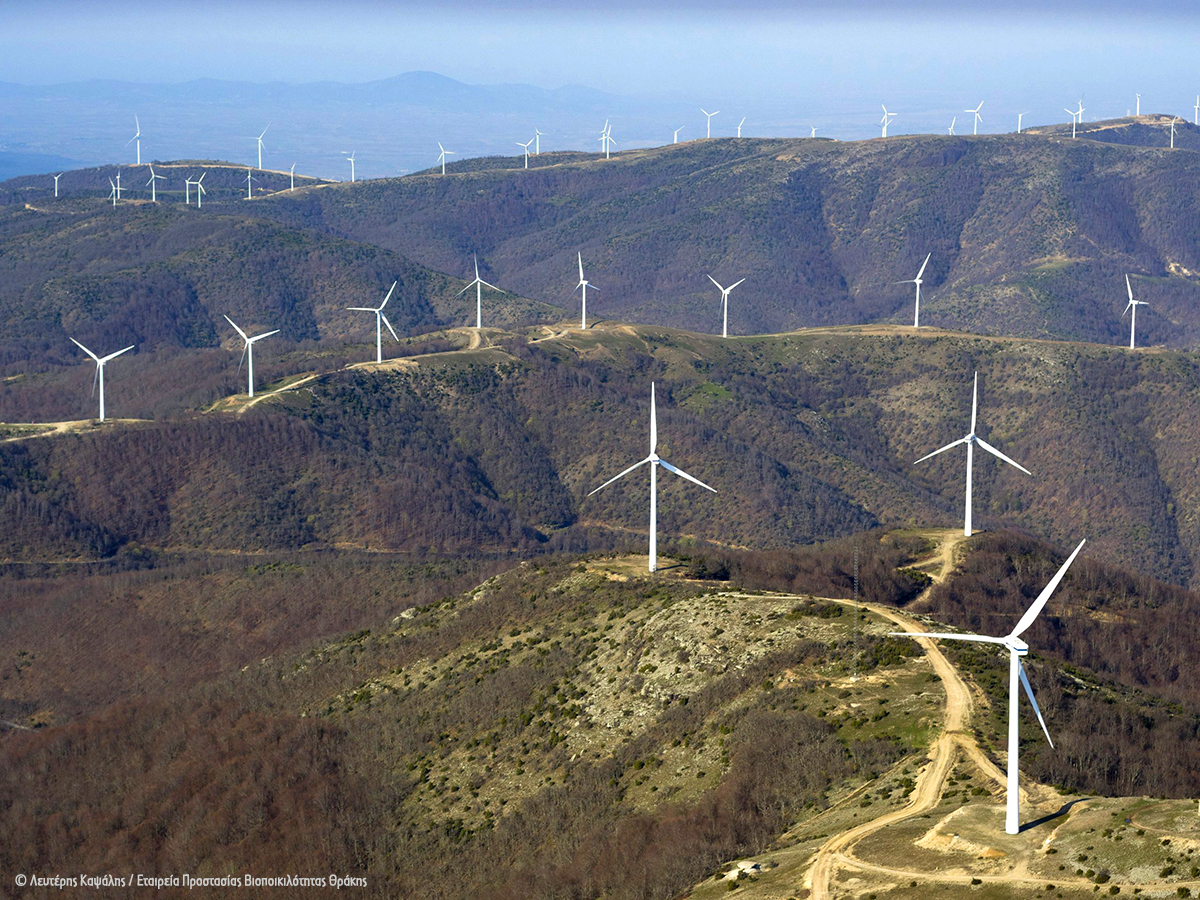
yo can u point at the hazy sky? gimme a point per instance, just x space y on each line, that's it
763 51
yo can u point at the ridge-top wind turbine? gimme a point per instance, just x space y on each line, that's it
249 184
1196 111
526 146
150 183
1020 116
918 281
725 303
1133 305
260 146
292 172
1017 648
971 440
350 159
113 193
200 191
978 117
136 137
886 120
56 177
101 362
675 140
479 284
740 124
710 115
1174 119
585 284
655 461
380 321
1076 117
537 142
248 351
1138 105
951 129
442 158
606 139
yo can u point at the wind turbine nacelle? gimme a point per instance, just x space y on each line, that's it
1018 646
654 458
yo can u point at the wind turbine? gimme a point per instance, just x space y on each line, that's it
380 321
725 304
813 133
1017 648
1076 117
292 172
886 120
248 351
971 440
260 146
350 159
537 142
113 193
952 121
1020 116
978 117
479 284
137 137
675 140
918 282
605 139
442 158
526 146
200 191
740 126
1174 119
150 183
249 184
1133 305
585 284
710 118
101 362
56 177
118 184
655 461
1139 105
1196 111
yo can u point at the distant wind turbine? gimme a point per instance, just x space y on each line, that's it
655 461
479 284
200 191
1017 648
886 120
1138 105
292 172
978 117
605 139
260 146
709 120
1133 305
537 142
56 177
118 184
952 121
1196 111
248 352
380 321
675 140
1076 117
1020 116
971 440
918 282
725 291
137 137
740 124
526 146
1174 119
350 159
150 183
813 133
101 362
249 184
442 158
584 284
113 193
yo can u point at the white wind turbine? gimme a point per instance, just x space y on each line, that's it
1076 117
526 146
118 184
886 120
978 117
1017 648
1174 119
1020 116
292 172
187 190
113 193
1138 105
710 115
101 362
605 139
380 321
952 121
675 140
537 142
971 440
1196 111
479 284
249 184
200 191
248 351
56 177
442 158
740 124
137 137
150 183
260 146
1133 305
655 461
918 282
584 284
813 133
350 159
725 291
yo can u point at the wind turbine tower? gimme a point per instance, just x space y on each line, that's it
248 352
101 362
710 115
886 120
918 282
526 146
260 146
380 321
479 284
1133 305
137 137
150 183
584 284
442 158
725 291
655 461
56 177
978 117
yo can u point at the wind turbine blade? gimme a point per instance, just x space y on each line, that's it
85 350
95 378
105 359
242 358
1033 702
1044 596
996 453
735 284
363 308
924 264
682 474
492 286
1129 288
476 267
1127 309
580 255
653 421
238 330
961 440
622 475
259 337
389 295
389 327
717 283
946 636
975 403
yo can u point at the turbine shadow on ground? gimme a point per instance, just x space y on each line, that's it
1057 814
